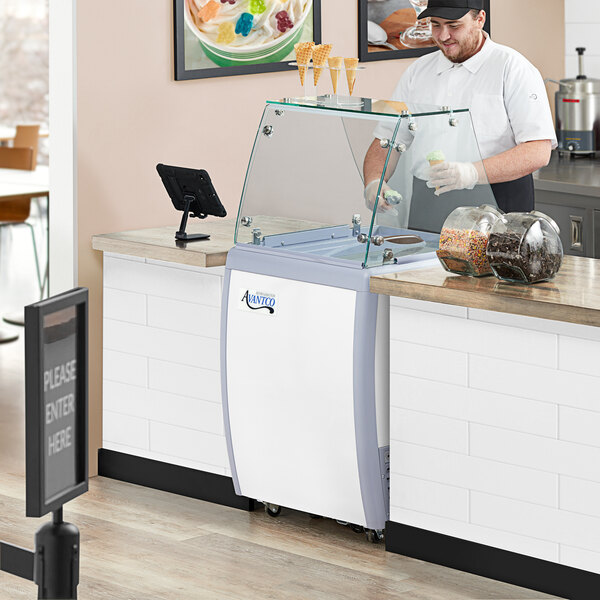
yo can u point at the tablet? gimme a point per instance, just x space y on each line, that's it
191 191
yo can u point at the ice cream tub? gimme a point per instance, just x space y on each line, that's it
265 43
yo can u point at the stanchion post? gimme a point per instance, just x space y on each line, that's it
56 563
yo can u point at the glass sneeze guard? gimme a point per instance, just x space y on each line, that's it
305 191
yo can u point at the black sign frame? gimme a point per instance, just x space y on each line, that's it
36 503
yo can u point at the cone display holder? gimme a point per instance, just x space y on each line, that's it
332 100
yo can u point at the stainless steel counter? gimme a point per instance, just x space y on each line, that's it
580 176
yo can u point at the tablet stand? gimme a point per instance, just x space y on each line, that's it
192 192
181 234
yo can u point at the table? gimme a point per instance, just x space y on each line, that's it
19 183
40 176
16 191
16 184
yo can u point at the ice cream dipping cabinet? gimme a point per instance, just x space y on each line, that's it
305 345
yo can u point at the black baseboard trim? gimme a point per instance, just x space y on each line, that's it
502 565
171 478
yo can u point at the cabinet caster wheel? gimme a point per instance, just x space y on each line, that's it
273 510
374 535
357 528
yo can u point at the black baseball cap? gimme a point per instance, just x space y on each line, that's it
452 10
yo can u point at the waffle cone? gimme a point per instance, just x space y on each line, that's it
435 162
335 65
302 72
351 64
303 52
320 54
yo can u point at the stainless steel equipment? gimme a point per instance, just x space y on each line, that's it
578 113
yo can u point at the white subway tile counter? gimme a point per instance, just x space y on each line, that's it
495 417
161 372
161 381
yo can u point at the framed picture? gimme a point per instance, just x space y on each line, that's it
216 38
389 29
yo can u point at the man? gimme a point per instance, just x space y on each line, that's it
507 100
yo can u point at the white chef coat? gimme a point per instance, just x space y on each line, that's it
503 90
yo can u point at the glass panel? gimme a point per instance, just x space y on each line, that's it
365 105
421 140
305 183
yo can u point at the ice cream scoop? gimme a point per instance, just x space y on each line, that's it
435 157
392 197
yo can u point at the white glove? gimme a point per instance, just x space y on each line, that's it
448 176
386 192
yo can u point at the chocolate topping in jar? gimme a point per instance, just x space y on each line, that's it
514 259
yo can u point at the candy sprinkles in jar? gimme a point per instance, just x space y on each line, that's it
525 248
464 238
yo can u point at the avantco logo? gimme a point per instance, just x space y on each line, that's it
262 302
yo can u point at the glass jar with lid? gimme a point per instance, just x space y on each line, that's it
525 247
464 238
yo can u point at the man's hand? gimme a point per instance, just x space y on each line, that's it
448 176
386 191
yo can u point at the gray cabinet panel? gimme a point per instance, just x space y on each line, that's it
576 227
574 216
597 234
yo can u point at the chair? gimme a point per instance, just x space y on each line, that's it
28 136
16 212
16 158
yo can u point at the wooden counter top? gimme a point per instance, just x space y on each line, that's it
572 296
160 243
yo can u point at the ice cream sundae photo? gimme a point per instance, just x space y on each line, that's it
245 32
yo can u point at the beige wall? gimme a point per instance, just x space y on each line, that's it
132 115
536 28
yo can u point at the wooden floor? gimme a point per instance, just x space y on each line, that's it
139 543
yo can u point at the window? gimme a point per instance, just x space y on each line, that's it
24 65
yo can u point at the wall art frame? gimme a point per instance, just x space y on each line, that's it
393 25
197 56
